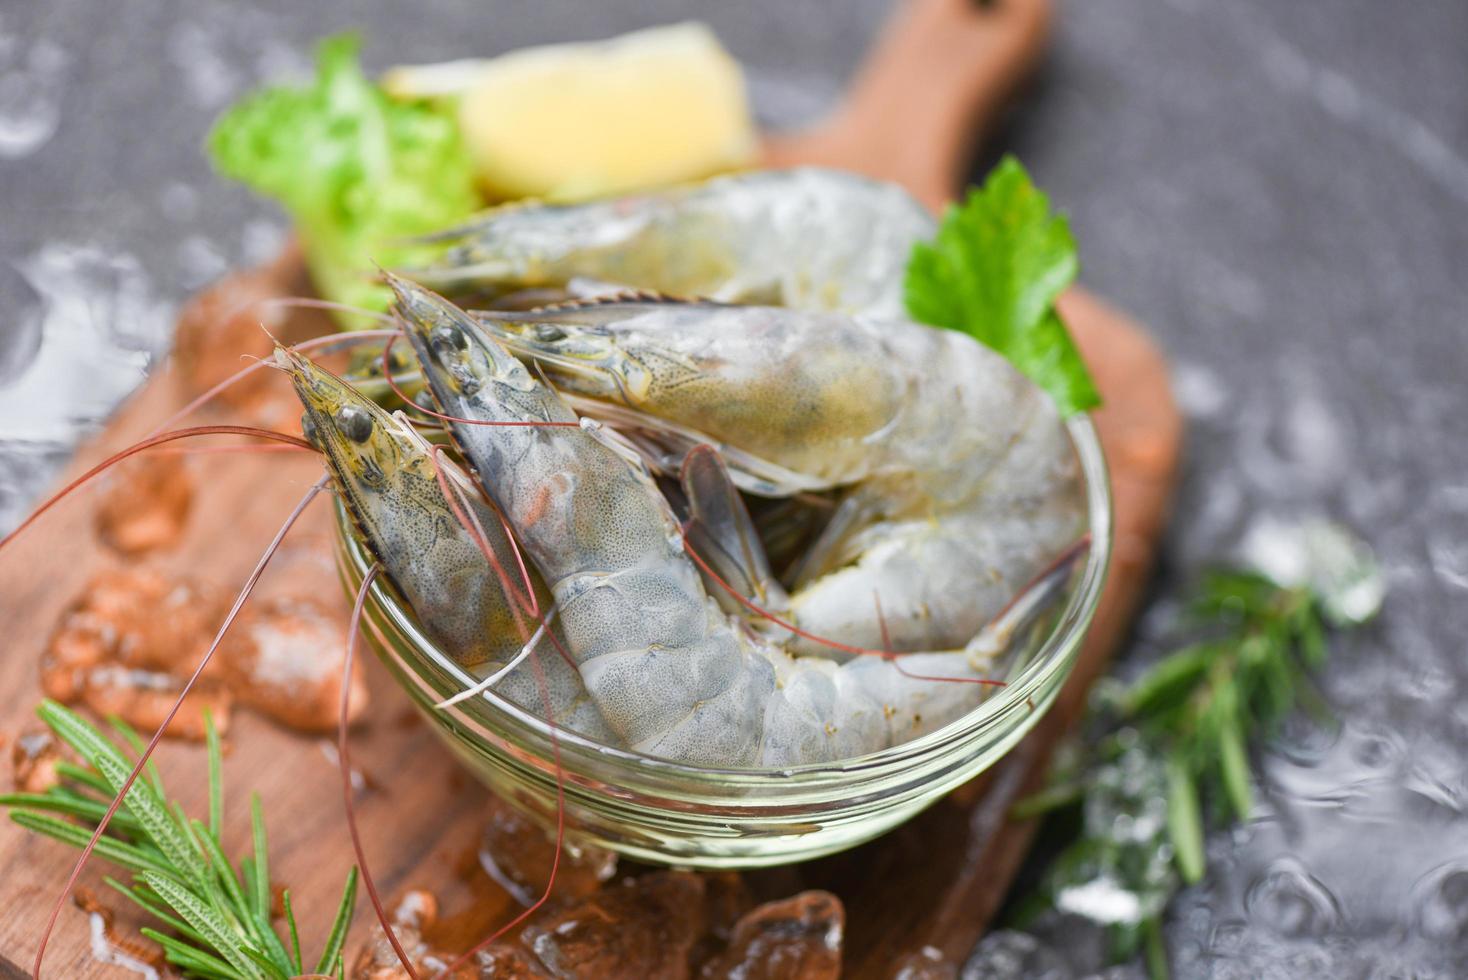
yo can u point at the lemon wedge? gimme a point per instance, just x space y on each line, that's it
568 122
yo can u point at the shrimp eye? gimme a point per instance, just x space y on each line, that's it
446 340
355 423
549 333
308 429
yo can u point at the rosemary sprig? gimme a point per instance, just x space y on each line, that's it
220 919
1169 752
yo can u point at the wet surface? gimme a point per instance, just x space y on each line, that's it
141 958
284 658
146 504
797 938
663 925
518 855
128 643
117 649
33 759
1278 191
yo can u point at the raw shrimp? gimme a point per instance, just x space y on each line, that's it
744 238
958 480
387 482
672 672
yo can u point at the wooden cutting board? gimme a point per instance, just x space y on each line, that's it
937 76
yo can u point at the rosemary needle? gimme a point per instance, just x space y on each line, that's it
220 919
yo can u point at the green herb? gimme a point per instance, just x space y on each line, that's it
1172 746
358 172
180 874
993 272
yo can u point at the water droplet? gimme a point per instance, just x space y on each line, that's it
23 313
179 202
1452 497
1228 938
1450 561
31 84
278 60
1291 902
101 326
1199 390
209 78
1376 750
1305 741
200 262
1337 566
25 468
1441 901
105 292
261 241
1431 787
1304 446
1006 954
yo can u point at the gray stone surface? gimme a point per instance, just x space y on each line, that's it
1279 190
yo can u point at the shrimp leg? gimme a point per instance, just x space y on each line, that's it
719 528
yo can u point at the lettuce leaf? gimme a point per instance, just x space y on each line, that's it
357 172
993 272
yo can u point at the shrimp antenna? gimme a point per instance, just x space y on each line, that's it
550 883
310 303
458 504
325 341
895 660
882 622
465 515
457 500
1061 562
223 450
147 753
149 443
344 762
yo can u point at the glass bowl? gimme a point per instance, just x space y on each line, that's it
678 814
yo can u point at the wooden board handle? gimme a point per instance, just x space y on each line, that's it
935 79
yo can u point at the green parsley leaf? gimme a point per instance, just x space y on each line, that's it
358 172
993 272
